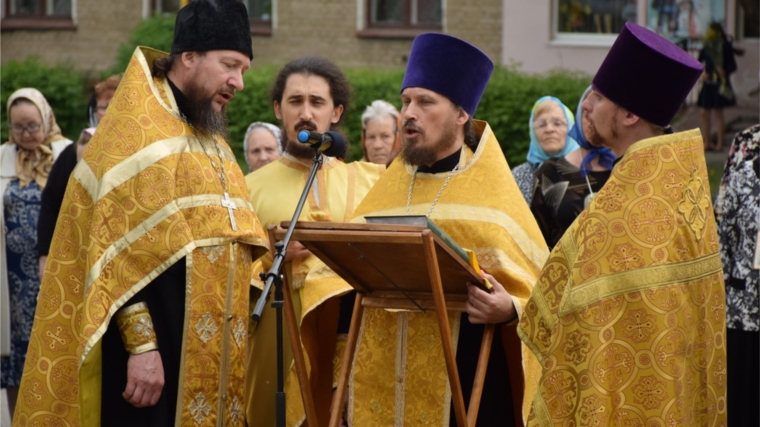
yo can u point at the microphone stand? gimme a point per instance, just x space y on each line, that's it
274 276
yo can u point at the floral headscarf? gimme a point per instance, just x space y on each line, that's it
268 126
35 165
536 154
606 156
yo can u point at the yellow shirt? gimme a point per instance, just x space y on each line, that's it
274 191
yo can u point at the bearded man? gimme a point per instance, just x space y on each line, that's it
452 170
628 317
309 93
143 308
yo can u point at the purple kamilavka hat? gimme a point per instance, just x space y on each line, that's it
449 66
647 75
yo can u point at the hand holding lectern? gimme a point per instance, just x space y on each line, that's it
394 266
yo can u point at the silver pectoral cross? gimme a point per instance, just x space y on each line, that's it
230 205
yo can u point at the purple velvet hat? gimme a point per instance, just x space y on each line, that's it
449 66
647 75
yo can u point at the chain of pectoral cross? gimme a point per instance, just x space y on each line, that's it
226 201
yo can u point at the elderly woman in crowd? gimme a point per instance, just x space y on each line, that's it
567 184
381 133
549 121
101 98
262 144
738 213
35 140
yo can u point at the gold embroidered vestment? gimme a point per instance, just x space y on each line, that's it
628 316
144 197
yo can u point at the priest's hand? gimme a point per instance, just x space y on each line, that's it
296 251
495 307
145 379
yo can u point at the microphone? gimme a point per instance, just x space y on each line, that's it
330 143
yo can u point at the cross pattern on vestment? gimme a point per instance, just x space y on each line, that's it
558 388
614 363
231 206
56 337
652 218
199 408
144 327
672 348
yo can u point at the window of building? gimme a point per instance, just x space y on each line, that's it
166 6
260 15
399 18
748 19
684 21
592 21
259 12
37 14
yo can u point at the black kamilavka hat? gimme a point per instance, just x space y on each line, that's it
205 25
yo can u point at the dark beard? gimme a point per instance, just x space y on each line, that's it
417 155
200 113
298 149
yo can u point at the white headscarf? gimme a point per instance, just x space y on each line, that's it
268 126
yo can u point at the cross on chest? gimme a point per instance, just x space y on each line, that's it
231 206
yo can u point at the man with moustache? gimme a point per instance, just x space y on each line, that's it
309 93
143 310
628 316
452 170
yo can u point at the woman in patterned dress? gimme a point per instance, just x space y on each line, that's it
25 161
738 213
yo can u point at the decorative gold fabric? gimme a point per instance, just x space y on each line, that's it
144 196
136 328
628 316
275 190
399 376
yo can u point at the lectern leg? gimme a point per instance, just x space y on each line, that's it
295 344
480 374
443 323
336 411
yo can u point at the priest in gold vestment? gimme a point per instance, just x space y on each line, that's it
451 169
310 93
628 315
143 310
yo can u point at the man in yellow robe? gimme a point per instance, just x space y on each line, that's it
451 169
628 316
309 93
143 310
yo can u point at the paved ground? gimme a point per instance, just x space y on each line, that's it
5 419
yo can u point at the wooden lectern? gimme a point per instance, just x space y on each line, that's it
396 267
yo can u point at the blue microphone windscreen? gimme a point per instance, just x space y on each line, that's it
303 136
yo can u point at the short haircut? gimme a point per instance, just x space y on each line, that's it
340 90
378 109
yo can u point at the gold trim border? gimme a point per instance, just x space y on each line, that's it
639 279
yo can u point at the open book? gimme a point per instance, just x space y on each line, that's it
423 221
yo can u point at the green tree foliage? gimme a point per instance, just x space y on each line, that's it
506 104
156 32
510 96
62 86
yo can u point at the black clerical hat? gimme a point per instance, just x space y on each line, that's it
205 25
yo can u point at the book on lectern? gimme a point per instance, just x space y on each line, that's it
423 221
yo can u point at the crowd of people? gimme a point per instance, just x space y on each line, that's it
130 259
